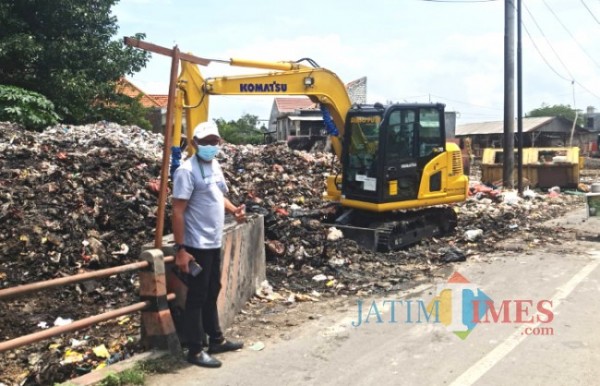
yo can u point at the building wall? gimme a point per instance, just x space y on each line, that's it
273 118
450 117
357 90
157 119
592 121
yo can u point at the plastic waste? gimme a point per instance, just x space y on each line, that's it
511 198
334 234
452 255
473 234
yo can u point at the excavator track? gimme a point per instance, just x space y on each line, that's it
413 227
389 232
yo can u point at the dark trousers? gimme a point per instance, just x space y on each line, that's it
201 317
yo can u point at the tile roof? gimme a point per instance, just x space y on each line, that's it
125 87
162 100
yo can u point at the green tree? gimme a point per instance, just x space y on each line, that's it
564 111
64 51
243 131
27 108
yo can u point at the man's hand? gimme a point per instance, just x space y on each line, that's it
182 260
240 213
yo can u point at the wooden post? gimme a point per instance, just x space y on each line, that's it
176 56
164 173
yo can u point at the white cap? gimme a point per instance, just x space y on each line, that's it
206 129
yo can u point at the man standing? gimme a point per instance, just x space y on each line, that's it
199 206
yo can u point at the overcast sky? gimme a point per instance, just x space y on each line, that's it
445 51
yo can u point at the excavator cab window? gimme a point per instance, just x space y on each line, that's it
361 174
431 139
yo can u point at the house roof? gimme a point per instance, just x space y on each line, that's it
125 87
289 105
497 127
162 100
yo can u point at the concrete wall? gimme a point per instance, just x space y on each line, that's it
243 269
357 90
243 266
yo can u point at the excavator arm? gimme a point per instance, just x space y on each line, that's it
320 85
391 205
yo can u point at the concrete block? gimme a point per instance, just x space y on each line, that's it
243 268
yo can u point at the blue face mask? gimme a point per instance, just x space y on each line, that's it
207 152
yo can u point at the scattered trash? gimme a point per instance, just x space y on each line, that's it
123 251
258 346
305 298
275 248
334 234
114 358
266 292
101 351
62 322
78 343
452 255
529 194
319 277
511 197
473 234
583 187
71 356
554 189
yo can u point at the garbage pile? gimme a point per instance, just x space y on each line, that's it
78 198
72 199
492 215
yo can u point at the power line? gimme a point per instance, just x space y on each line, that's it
573 81
588 9
547 41
570 34
541 55
583 87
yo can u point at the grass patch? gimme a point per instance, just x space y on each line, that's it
127 377
137 374
162 365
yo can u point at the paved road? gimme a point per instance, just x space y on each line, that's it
329 351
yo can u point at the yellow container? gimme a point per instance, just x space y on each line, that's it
542 167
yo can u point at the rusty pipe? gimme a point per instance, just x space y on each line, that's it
76 325
9 293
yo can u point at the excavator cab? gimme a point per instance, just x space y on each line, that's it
388 149
395 159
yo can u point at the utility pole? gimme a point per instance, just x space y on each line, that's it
509 94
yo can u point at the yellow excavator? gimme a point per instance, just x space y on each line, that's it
398 171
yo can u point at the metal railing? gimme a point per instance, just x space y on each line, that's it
157 324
